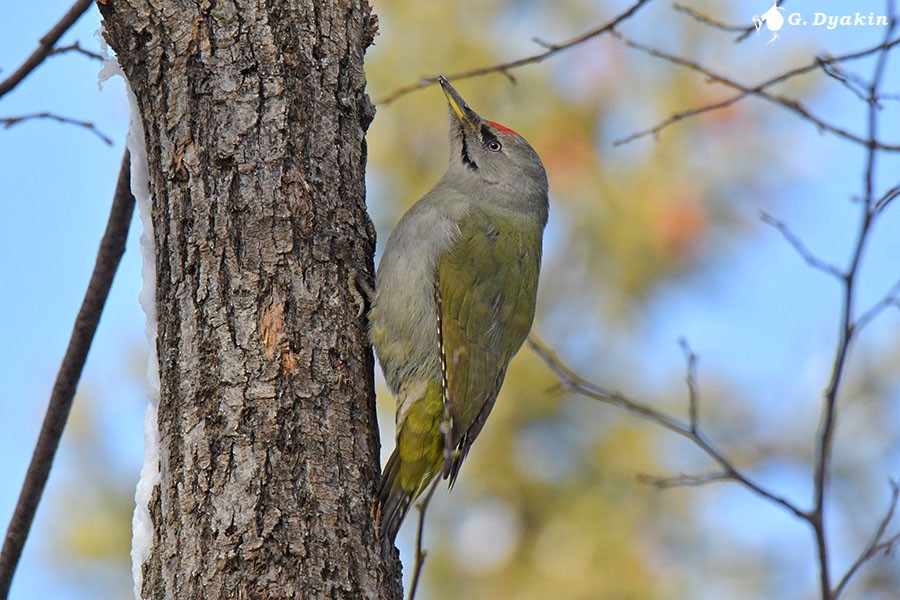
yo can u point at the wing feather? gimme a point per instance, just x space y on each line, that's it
487 285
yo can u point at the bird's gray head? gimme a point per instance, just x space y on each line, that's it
484 154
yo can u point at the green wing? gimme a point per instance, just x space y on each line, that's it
486 291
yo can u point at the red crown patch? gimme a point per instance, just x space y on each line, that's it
502 128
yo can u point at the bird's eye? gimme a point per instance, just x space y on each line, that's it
494 146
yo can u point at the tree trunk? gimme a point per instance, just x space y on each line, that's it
254 115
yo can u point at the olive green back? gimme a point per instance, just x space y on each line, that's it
487 285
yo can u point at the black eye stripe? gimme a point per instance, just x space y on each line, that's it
487 136
467 160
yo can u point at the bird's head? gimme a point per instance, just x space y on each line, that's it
484 153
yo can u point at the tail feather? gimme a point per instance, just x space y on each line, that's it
393 501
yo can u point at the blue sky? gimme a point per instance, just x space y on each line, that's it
58 182
58 185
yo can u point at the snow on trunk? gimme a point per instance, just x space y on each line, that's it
142 523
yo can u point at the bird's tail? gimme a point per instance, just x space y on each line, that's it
393 502
407 474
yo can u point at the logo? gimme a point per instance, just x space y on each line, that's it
773 20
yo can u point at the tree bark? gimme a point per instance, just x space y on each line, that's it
254 116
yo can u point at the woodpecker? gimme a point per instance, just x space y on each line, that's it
454 301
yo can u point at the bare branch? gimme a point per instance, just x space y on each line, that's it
676 117
46 46
892 298
112 246
574 383
8 122
684 480
827 421
887 198
851 81
785 102
818 63
744 30
877 545
77 48
804 252
420 552
506 67
690 378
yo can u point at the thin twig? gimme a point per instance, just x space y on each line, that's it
420 552
788 103
574 383
690 379
675 118
851 81
77 48
8 122
744 30
506 67
892 298
811 259
684 480
877 545
112 246
45 48
887 198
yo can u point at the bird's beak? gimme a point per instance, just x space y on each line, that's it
464 114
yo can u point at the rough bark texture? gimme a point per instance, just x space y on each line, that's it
255 115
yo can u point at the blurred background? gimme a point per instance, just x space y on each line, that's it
649 242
